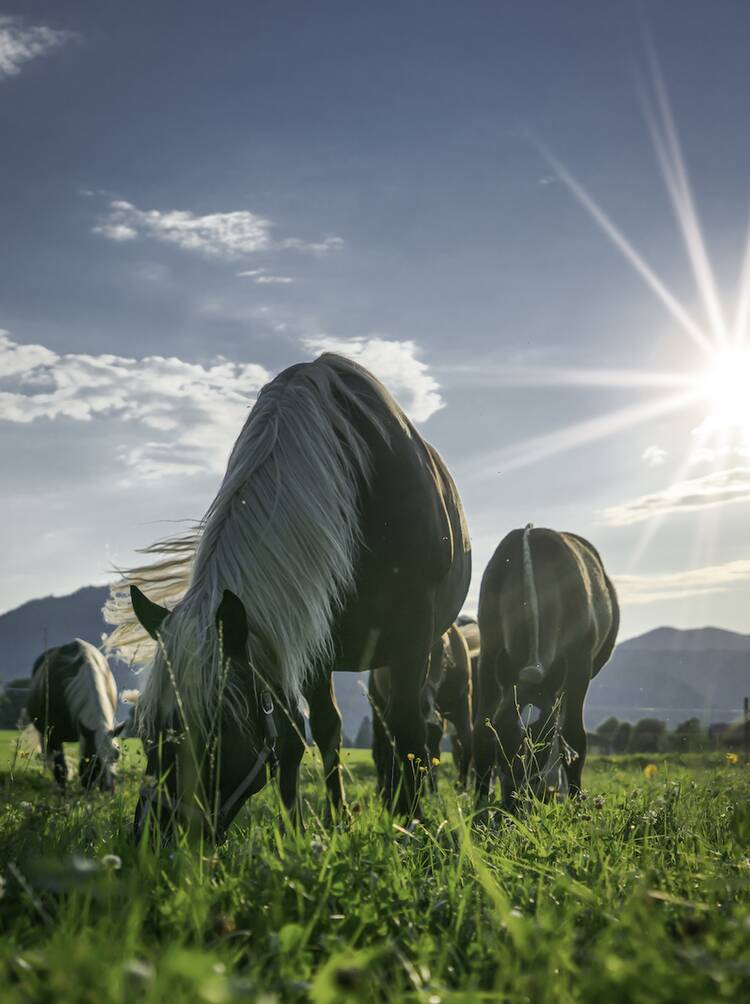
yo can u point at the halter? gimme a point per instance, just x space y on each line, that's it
266 756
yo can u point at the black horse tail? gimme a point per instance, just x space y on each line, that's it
532 673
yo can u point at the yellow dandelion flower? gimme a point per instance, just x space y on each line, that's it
409 756
649 771
435 761
732 758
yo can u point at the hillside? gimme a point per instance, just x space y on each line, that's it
26 631
674 675
666 673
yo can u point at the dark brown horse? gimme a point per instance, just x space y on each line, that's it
73 698
336 541
548 619
446 702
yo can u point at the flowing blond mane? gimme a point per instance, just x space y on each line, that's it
283 534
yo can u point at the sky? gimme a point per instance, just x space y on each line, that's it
194 197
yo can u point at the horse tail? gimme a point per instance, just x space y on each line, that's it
532 673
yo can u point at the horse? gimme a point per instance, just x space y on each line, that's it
336 540
446 701
73 698
548 620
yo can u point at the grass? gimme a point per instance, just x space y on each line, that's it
641 892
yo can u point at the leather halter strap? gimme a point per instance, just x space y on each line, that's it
267 755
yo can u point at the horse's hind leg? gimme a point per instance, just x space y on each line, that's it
325 725
484 739
291 750
573 730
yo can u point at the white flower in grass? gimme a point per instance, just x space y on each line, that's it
112 862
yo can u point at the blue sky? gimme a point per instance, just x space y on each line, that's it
194 197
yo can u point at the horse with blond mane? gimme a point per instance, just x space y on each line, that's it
73 698
336 541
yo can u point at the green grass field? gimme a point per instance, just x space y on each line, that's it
640 892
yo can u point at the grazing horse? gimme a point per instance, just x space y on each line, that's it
548 619
446 700
73 698
336 541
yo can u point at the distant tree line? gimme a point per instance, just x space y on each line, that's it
650 735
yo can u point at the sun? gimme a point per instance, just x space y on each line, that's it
725 387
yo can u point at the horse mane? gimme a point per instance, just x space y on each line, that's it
283 534
92 692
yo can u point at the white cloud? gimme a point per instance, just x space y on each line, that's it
190 413
396 364
654 456
219 235
636 589
717 488
262 278
19 44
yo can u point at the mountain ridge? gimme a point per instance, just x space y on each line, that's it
669 673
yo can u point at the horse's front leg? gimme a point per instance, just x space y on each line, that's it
407 726
325 725
291 751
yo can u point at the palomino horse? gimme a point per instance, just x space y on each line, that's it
548 620
446 700
73 698
336 541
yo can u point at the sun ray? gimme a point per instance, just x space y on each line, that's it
621 242
666 142
530 451
652 526
740 333
551 376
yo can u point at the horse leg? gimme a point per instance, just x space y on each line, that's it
434 738
461 740
381 743
484 738
325 725
52 749
59 765
573 730
407 726
291 750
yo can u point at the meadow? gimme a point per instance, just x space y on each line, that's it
638 892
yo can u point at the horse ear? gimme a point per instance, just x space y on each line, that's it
231 623
148 613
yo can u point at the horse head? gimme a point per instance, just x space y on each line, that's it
201 768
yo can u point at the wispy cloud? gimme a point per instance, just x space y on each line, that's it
654 455
263 278
20 43
396 364
219 235
717 488
636 589
173 416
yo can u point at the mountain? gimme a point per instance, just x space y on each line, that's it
26 631
666 673
671 674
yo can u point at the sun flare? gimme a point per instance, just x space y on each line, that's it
725 386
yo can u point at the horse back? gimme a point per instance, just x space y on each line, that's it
52 703
577 605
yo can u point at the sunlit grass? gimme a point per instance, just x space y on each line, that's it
641 891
